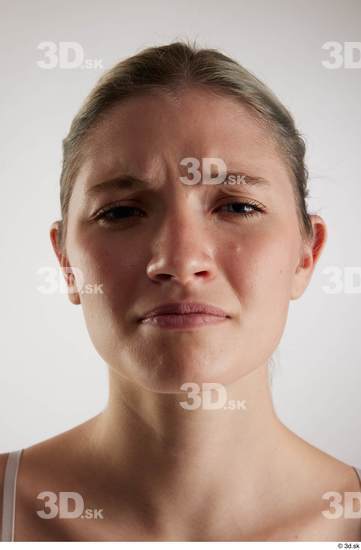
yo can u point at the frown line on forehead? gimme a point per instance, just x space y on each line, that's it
130 182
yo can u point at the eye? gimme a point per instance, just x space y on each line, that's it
245 209
117 213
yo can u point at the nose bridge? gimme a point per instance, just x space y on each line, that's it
181 248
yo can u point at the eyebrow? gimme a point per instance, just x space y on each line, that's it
125 181
129 182
247 179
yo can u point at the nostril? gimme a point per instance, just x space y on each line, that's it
164 276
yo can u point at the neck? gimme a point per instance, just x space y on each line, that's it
169 452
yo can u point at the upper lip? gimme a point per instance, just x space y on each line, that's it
182 308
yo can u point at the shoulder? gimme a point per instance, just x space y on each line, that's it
61 451
332 473
323 486
338 487
322 471
56 456
51 465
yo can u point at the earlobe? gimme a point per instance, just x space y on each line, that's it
309 256
302 275
73 293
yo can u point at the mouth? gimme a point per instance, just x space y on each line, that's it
184 315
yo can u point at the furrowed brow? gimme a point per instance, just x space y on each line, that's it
129 182
125 181
241 178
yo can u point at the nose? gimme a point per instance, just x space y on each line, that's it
182 251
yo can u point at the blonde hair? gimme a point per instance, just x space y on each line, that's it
169 68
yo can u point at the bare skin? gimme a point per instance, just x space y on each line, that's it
157 470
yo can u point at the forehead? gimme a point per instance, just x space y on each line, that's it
151 134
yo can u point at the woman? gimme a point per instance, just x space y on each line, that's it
188 281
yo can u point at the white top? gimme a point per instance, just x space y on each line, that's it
9 495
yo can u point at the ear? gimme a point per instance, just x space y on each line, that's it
73 292
309 255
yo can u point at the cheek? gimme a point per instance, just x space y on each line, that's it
260 267
107 261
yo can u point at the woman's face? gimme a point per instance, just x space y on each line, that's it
178 242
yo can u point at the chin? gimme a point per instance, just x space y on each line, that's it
169 369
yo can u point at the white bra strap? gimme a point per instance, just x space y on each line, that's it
9 496
358 472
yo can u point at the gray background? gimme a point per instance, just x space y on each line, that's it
51 378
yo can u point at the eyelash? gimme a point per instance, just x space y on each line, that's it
257 210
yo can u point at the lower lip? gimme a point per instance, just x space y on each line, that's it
188 320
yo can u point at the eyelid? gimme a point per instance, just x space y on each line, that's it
228 198
243 200
111 205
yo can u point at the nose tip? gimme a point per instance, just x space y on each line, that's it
182 271
183 249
